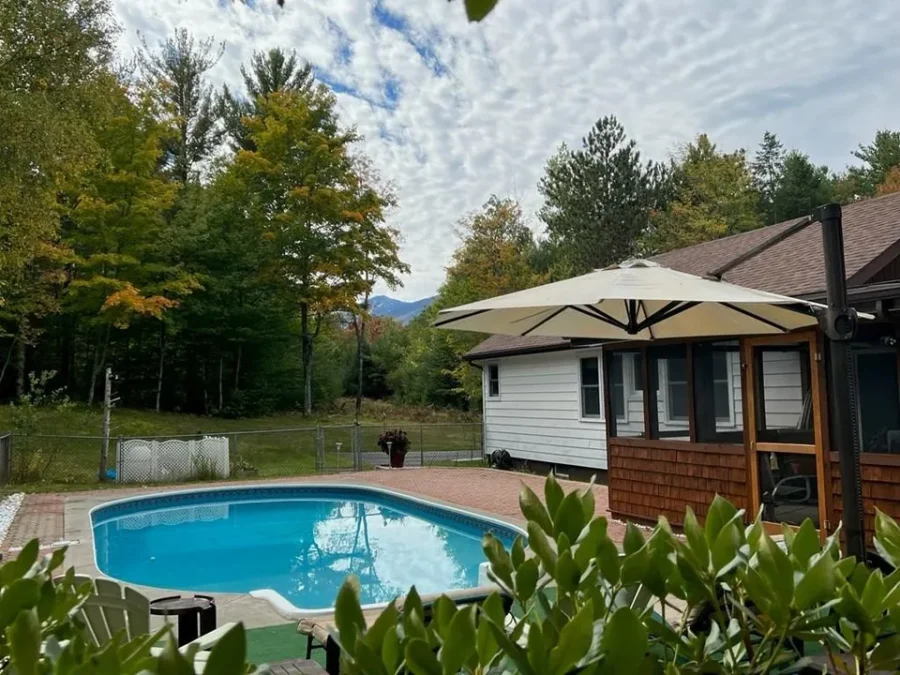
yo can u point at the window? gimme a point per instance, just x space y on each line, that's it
590 387
637 373
877 400
784 394
625 371
617 385
717 401
676 389
668 396
722 387
493 380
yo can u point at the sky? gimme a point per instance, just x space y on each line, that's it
453 112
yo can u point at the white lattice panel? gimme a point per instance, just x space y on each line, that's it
153 461
176 516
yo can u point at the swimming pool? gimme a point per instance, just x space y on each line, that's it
292 544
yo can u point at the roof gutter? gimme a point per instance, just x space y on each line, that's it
572 343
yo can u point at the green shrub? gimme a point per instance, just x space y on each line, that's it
722 598
41 631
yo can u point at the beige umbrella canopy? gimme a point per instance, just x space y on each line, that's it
636 300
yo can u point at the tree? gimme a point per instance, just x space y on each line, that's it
713 197
598 200
53 53
176 75
310 202
803 187
890 184
377 258
767 170
114 226
878 158
271 71
494 257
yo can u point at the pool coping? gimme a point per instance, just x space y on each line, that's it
275 600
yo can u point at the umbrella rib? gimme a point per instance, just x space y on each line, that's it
746 312
667 312
438 324
599 314
545 320
647 318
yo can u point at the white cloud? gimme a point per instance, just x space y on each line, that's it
479 108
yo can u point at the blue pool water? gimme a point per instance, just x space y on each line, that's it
298 541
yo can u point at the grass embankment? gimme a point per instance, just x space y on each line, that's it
275 446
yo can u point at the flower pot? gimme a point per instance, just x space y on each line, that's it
397 459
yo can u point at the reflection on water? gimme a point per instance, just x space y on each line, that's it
301 548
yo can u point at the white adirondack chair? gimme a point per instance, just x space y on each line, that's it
113 607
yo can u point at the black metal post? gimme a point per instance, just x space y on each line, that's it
840 327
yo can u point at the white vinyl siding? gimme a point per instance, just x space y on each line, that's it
783 389
539 418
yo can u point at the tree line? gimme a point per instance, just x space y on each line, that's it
217 248
204 244
603 203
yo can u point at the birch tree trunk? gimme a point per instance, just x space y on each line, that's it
20 367
237 368
162 361
99 362
9 354
306 358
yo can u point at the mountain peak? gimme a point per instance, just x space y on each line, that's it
401 310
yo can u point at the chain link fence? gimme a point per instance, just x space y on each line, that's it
271 453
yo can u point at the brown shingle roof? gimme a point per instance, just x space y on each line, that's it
506 345
794 266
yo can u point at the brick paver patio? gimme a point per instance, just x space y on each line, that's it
486 490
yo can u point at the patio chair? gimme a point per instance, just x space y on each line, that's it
112 608
319 632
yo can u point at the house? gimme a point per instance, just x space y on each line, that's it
674 423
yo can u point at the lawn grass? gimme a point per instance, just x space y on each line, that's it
62 454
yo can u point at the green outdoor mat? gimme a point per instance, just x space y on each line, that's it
278 643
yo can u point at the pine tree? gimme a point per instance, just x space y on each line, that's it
598 200
803 187
271 71
767 169
176 73
878 158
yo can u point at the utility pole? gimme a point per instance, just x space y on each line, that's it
107 411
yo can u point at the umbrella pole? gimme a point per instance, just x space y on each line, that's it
840 327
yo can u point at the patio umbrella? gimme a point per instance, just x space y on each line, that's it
635 300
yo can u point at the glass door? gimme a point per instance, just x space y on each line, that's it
785 437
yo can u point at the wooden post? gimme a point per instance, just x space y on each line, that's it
107 407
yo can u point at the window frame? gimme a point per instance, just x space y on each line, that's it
600 416
489 381
729 380
868 350
670 418
628 392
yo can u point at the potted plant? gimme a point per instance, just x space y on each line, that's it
395 444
